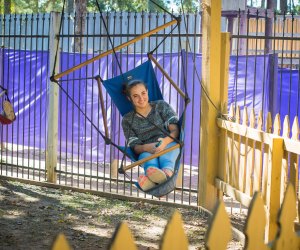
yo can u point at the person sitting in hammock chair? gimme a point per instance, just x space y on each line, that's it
150 128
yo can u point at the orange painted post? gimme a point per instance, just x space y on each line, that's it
211 80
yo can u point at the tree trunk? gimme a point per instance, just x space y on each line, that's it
7 6
283 6
70 8
80 10
269 27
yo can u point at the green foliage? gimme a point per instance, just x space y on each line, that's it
33 6
41 6
126 5
187 5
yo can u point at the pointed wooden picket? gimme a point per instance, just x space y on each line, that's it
231 113
61 243
243 153
122 238
294 159
286 237
277 126
286 127
295 129
219 231
250 158
284 174
255 224
260 120
174 236
238 115
258 157
230 151
268 125
236 151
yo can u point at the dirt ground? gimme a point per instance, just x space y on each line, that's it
32 216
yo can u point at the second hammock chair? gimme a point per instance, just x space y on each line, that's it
7 116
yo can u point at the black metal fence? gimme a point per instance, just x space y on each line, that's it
83 159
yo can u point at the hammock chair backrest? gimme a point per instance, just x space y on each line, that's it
143 72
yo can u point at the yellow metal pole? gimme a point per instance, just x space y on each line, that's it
211 79
87 62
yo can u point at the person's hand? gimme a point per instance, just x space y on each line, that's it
151 147
160 145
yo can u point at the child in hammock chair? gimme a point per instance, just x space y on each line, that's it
149 129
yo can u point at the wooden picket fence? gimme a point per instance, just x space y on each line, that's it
175 238
252 162
256 160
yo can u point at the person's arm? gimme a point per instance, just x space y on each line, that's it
149 147
174 133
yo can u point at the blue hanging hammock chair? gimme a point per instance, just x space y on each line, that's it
114 87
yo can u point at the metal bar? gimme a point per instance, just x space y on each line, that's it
109 195
60 75
284 38
92 25
2 43
23 36
84 43
98 137
267 48
255 61
280 93
8 72
108 73
97 177
291 61
24 87
19 89
139 162
35 91
30 89
246 71
127 61
67 30
120 22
